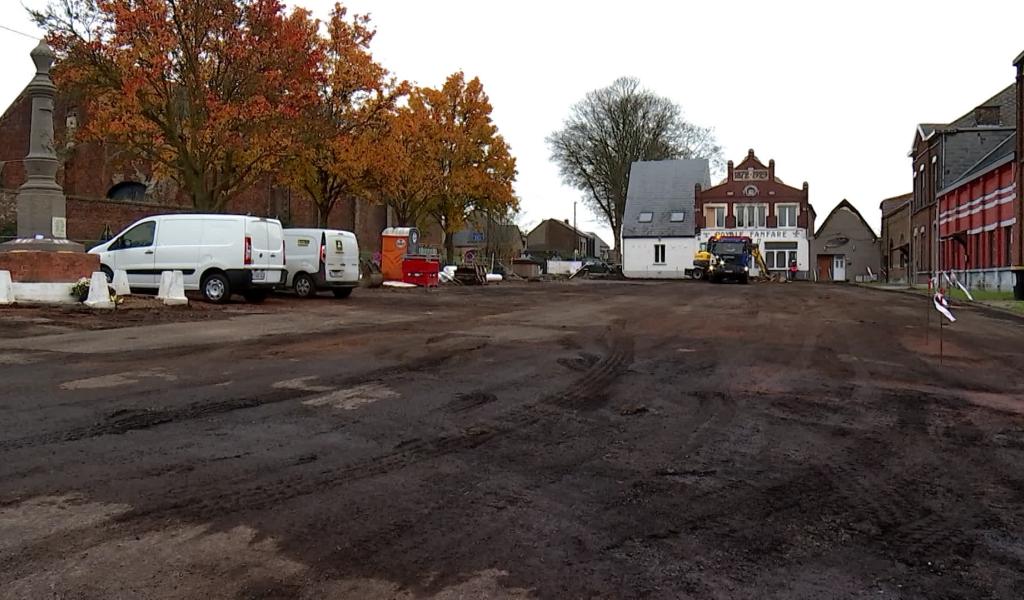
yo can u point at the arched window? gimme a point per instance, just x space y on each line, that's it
132 191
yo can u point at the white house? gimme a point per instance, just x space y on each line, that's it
658 226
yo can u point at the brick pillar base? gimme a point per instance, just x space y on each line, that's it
32 266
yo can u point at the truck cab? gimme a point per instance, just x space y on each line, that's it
730 258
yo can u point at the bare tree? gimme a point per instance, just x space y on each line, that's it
613 127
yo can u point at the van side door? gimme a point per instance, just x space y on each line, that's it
177 248
133 252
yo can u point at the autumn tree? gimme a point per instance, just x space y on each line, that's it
471 160
613 127
406 173
356 97
207 92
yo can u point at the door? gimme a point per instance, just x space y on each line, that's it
177 248
133 253
825 267
341 257
267 239
839 267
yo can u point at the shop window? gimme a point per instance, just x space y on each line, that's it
659 254
778 255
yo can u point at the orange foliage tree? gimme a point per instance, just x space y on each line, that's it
207 92
338 155
473 167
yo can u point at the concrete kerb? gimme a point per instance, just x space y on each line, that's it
6 288
994 310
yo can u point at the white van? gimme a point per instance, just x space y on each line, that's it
219 255
321 259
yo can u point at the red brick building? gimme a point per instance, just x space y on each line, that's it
101 197
752 201
941 155
978 226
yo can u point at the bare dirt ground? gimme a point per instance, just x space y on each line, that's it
593 439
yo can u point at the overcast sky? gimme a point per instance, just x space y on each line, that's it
831 91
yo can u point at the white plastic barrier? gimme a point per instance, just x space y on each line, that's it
165 284
564 267
494 278
175 293
99 292
121 287
6 288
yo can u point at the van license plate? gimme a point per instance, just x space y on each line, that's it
259 275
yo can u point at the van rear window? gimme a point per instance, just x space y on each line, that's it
302 243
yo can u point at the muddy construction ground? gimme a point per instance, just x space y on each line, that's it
591 439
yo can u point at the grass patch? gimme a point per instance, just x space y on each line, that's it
981 295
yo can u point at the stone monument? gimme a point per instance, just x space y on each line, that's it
42 253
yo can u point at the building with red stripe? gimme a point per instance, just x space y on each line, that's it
978 225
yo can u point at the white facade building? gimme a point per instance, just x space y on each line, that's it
658 240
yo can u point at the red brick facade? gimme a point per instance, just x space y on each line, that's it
752 181
89 173
977 225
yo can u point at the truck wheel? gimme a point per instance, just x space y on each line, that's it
216 288
255 296
342 292
304 286
745 279
698 274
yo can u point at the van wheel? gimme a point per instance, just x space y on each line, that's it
255 296
216 288
107 273
304 286
342 292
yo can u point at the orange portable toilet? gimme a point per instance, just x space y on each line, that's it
395 244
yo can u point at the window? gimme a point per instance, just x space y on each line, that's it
750 215
645 217
787 214
139 236
132 191
714 216
677 217
1007 246
659 254
778 255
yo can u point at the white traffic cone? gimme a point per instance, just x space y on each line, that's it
121 287
6 288
176 290
165 284
99 292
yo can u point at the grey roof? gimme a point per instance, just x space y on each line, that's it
999 155
662 188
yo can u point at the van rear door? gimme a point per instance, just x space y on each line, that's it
341 257
267 250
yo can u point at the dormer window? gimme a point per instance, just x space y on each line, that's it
677 217
645 217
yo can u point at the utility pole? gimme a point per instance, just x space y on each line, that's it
1017 264
575 231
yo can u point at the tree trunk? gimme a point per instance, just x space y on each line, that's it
449 247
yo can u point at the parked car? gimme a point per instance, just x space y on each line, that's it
219 255
321 259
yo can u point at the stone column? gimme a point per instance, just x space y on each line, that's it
42 221
42 253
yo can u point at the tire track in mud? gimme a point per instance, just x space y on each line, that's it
120 422
242 495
